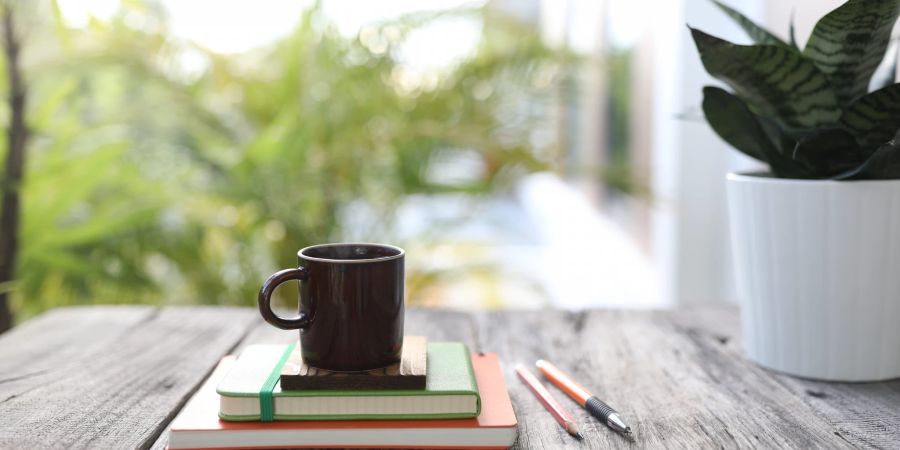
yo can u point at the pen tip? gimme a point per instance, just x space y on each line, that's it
578 436
628 430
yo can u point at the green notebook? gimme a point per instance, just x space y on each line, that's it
450 391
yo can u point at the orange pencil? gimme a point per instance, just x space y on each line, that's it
594 405
563 416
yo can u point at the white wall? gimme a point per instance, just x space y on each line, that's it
690 228
805 14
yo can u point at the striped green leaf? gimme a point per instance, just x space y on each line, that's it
730 118
848 44
875 117
775 81
733 121
884 164
792 34
759 34
830 152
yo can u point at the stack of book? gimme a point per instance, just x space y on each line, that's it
439 395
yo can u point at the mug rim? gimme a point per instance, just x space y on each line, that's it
400 253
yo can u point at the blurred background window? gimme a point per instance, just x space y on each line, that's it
526 153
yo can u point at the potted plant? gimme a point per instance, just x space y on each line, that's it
816 238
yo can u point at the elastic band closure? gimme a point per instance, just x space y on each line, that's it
266 399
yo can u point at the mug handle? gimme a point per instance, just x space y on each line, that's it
302 320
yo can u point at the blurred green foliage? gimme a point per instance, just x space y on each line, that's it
617 173
161 172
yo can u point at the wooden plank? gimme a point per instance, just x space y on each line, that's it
678 387
40 344
442 325
263 333
409 373
679 378
118 378
864 414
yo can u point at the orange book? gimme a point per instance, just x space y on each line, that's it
198 425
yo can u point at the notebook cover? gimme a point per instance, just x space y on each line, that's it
409 373
449 372
199 418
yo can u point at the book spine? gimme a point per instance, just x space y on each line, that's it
471 371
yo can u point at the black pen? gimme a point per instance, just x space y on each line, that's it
594 405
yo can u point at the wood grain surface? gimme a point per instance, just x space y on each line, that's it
105 377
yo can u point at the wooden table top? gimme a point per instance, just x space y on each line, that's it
115 376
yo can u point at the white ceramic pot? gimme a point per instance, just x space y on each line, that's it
818 275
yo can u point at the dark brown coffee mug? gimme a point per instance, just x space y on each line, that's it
351 305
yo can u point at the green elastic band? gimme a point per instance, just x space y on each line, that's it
266 400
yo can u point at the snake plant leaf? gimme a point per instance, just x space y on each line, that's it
784 140
775 81
830 152
849 42
874 117
733 121
791 34
730 118
759 34
884 163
